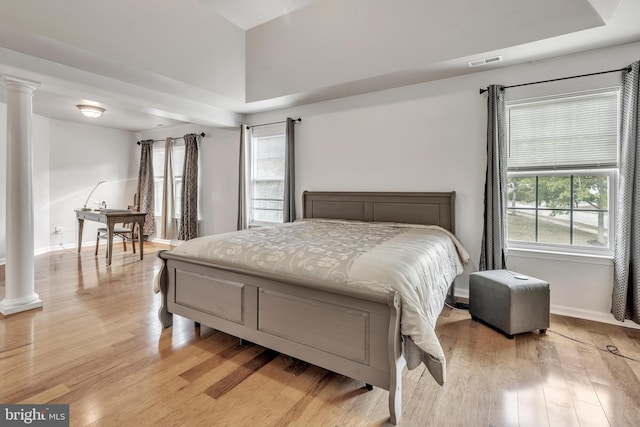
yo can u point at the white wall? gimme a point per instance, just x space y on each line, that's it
41 133
426 137
432 137
80 157
69 159
218 151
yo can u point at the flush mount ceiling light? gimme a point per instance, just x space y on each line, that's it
90 110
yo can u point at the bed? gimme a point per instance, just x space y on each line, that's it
299 314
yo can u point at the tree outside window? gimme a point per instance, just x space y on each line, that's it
567 210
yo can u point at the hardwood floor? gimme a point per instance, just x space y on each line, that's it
97 345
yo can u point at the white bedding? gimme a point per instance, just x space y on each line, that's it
419 262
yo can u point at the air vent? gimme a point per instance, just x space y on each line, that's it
485 61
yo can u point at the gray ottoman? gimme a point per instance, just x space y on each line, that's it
512 305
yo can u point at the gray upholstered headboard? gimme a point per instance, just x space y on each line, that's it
411 208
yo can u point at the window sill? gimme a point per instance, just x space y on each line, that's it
560 256
263 224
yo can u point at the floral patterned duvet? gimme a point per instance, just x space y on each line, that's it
419 262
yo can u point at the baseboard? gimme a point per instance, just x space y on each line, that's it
578 313
596 316
70 247
74 247
41 251
164 241
462 293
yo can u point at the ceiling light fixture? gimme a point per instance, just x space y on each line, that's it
90 111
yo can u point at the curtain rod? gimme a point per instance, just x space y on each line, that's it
627 69
299 120
202 134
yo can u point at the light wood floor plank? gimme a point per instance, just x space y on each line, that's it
558 400
47 395
98 346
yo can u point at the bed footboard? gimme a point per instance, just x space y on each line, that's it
396 360
162 284
352 332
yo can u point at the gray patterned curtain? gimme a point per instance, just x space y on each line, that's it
145 187
189 218
626 261
492 255
168 222
289 205
243 220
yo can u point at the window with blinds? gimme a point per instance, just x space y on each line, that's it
158 170
266 175
561 172
564 133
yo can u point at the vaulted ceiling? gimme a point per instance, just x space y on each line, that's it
151 62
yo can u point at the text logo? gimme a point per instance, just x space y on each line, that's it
34 415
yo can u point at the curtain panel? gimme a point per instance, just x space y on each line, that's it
243 215
168 229
189 218
145 187
493 256
626 262
289 204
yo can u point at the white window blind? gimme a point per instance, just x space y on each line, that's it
158 171
564 133
267 173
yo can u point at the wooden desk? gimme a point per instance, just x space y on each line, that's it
111 219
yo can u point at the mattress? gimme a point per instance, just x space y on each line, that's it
419 262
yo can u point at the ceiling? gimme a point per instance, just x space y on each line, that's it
210 62
247 14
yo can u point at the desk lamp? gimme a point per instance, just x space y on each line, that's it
85 208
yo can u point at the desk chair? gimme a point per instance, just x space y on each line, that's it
126 231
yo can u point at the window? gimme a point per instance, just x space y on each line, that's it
266 174
561 172
158 171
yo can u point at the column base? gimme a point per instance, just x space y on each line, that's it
8 307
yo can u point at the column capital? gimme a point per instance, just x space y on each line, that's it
19 83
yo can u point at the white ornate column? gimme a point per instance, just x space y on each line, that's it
19 270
